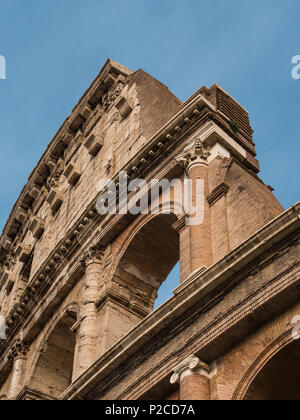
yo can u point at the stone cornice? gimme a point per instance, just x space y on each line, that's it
159 147
108 75
32 318
121 300
220 191
18 350
215 89
82 233
271 233
28 393
186 296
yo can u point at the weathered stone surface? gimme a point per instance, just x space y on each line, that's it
77 289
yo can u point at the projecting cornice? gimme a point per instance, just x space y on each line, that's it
197 111
187 297
82 119
197 114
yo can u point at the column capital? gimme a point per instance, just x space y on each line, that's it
195 154
190 366
18 351
93 255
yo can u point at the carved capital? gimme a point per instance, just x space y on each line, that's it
198 152
190 366
18 351
94 254
56 172
110 97
10 260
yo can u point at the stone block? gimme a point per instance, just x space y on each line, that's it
93 144
37 227
21 215
72 173
23 252
7 243
124 107
55 200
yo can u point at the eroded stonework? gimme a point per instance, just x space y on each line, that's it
77 288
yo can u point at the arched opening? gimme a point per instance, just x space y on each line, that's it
280 378
149 258
54 370
165 292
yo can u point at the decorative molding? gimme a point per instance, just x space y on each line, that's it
260 362
125 301
18 350
37 227
180 224
93 255
56 170
72 173
197 153
112 95
168 134
21 215
23 252
198 288
220 191
190 366
7 243
188 116
30 394
124 107
93 144
55 199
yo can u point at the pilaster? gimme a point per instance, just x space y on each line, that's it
193 378
195 236
88 330
18 357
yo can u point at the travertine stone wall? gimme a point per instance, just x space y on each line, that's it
232 354
73 284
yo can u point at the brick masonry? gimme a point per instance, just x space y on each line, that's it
77 289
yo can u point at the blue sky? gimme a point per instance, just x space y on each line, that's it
55 48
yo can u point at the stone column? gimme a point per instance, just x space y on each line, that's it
193 377
88 335
18 356
197 234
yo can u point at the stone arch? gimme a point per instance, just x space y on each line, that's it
54 360
259 374
142 220
147 255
